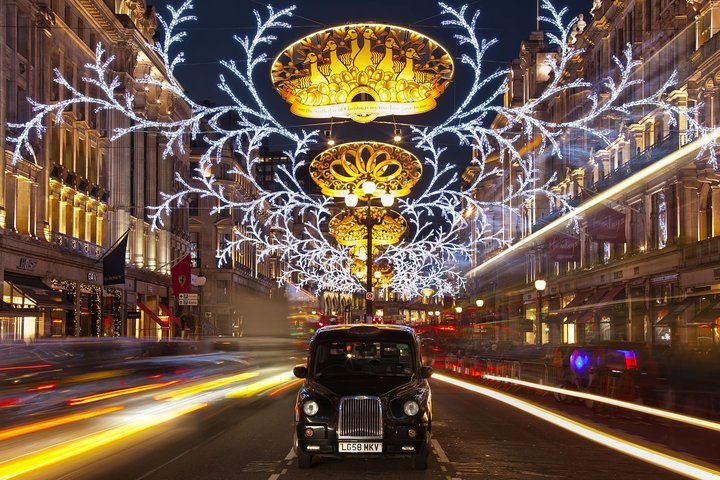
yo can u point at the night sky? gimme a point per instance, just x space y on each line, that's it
210 39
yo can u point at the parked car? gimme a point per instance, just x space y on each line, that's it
365 393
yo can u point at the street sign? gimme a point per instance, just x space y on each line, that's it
133 314
369 296
189 299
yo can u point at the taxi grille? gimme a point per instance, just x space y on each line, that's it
360 417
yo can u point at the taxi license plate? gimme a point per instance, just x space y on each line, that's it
360 447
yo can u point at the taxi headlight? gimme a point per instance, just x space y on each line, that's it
310 408
411 408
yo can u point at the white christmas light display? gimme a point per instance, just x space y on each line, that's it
437 243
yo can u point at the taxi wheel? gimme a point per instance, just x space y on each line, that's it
420 459
304 460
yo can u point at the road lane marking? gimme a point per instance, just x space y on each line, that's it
290 455
179 456
440 452
261 466
646 454
274 476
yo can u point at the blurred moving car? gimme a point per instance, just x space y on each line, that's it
619 370
225 344
365 393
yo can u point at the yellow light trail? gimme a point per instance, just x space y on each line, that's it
55 454
683 154
285 387
55 422
261 385
118 393
203 387
678 417
662 460
92 377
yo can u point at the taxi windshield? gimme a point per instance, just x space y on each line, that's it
363 358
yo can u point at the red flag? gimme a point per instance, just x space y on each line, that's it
607 225
563 248
181 273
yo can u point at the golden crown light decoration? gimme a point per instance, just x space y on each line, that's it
342 169
362 71
349 227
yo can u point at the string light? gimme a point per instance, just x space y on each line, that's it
439 214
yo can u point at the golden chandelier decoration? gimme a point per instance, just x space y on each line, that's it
382 272
362 71
349 228
343 169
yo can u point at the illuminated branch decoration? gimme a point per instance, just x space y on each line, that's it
363 71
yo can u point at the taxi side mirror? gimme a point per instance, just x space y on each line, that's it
426 372
300 372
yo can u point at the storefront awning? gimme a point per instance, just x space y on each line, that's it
600 299
171 315
591 305
675 310
571 309
151 314
707 316
612 295
41 294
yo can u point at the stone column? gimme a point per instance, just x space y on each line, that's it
715 195
680 98
11 196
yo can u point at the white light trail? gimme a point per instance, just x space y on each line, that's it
678 417
668 462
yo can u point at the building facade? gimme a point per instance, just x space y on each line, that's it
61 210
241 295
643 262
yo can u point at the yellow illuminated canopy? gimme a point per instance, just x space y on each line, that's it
362 71
343 169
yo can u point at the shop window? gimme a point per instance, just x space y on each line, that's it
661 294
224 239
93 165
637 227
81 160
22 206
222 291
68 151
53 139
659 221
194 204
195 249
23 34
707 229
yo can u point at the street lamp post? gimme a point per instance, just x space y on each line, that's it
540 285
387 200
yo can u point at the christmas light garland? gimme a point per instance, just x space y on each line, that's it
436 245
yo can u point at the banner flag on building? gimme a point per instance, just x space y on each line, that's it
114 263
181 274
607 225
564 248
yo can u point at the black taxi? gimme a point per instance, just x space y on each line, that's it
365 393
